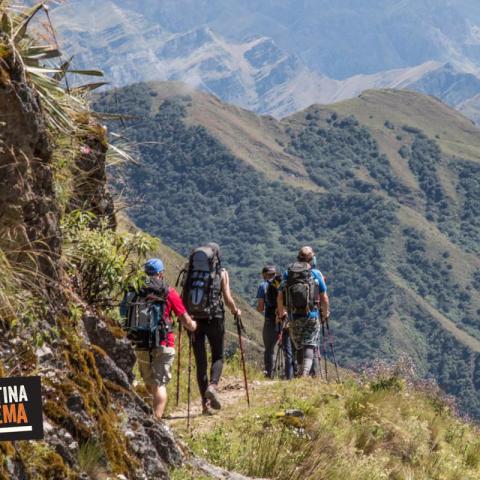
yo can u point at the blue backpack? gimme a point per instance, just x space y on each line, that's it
145 323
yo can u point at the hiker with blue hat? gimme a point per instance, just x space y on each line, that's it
149 326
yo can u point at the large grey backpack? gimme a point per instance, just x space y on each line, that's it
300 289
202 283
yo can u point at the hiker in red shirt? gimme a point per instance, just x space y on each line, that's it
155 351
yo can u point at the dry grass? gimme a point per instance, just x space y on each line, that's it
378 429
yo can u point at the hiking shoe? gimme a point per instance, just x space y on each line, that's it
207 409
212 395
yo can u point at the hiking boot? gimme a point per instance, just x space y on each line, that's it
212 395
207 409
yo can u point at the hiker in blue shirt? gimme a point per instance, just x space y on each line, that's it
302 293
268 306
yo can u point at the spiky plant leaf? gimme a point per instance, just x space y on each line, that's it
21 29
88 87
6 25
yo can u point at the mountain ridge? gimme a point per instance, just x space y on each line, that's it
253 72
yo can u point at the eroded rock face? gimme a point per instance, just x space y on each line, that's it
29 215
90 180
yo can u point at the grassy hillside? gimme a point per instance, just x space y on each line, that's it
390 208
381 426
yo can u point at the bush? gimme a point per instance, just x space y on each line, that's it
102 262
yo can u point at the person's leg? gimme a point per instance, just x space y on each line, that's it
269 341
315 371
296 328
309 339
299 359
200 353
288 353
215 333
155 368
308 354
159 393
216 337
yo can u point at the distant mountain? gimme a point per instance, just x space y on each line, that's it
385 188
341 38
255 73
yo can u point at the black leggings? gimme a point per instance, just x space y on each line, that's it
214 332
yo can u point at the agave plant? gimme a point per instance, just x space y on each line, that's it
44 68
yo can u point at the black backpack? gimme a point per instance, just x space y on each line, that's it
145 323
202 283
271 294
302 293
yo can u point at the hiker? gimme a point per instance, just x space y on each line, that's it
150 327
302 293
274 332
267 305
206 288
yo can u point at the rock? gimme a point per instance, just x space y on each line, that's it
47 427
109 370
163 440
216 472
294 413
75 402
119 349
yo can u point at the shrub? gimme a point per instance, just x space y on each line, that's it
102 262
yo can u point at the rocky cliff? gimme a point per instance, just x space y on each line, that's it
94 421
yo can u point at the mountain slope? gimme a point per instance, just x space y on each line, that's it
388 198
130 44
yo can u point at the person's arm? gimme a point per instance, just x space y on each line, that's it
281 311
187 321
261 298
227 294
324 306
260 305
324 302
180 311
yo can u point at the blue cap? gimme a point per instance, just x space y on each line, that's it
153 266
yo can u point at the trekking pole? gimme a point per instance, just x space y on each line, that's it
240 327
179 362
330 340
189 378
324 351
319 359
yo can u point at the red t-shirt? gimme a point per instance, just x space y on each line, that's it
175 305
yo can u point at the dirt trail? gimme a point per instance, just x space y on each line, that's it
233 398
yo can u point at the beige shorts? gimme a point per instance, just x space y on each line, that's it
159 370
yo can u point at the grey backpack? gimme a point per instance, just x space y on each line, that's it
202 283
302 293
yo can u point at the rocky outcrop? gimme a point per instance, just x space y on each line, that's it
89 190
85 363
29 216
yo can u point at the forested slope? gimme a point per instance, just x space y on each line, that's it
387 196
